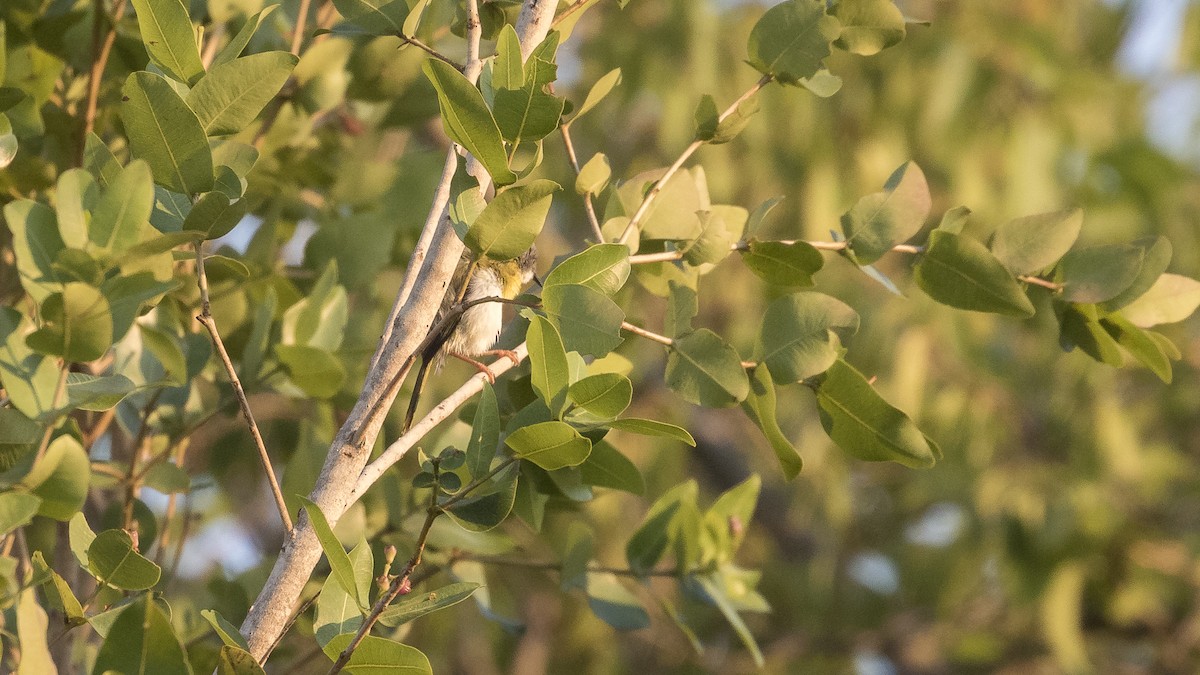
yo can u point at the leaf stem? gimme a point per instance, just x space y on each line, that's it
301 19
557 567
412 40
644 207
206 319
101 48
565 129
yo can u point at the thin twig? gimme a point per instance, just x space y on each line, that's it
649 335
206 319
399 586
135 452
557 567
301 19
669 256
164 540
587 196
210 47
1038 281
59 390
99 428
574 7
101 48
644 207
473 485
414 41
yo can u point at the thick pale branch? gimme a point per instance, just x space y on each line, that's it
350 450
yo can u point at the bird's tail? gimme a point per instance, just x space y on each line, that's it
418 385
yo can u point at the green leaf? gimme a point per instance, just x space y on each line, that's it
100 160
707 118
485 434
1080 327
80 537
127 294
166 348
507 70
8 141
59 592
643 427
319 373
16 509
380 655
1158 252
791 40
1100 273
1172 298
613 603
141 640
168 478
526 114
712 588
232 95
1031 244
213 215
75 196
490 504
954 220
225 630
605 395
30 380
607 467
958 271
123 212
60 479
682 308
883 219
869 26
36 243
1140 344
17 429
589 322
704 369
593 176
377 17
659 529
339 561
165 132
419 604
112 559
337 609
864 425
31 631
234 49
727 520
599 90
715 241
88 392
783 264
237 661
511 222
77 324
170 38
548 367
550 445
760 407
467 119
800 333
318 320
170 210
601 267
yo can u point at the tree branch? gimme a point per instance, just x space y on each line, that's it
101 48
587 197
644 207
347 458
206 319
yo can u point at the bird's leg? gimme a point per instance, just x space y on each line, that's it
506 353
481 367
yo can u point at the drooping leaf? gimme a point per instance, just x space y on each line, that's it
714 591
607 467
89 392
224 629
380 655
548 367
234 49
232 94
59 592
1172 298
760 407
1140 344
682 308
511 222
660 529
783 264
490 504
880 220
237 661
550 445
29 379
1099 273
1031 244
164 131
958 271
467 119
337 609
705 370
419 604
485 434
213 215
31 631
377 17
593 176
124 210
112 559
866 426
16 509
141 640
655 428
599 90
800 333
614 603
339 560
60 479
170 38
36 244
869 26
1158 253
792 39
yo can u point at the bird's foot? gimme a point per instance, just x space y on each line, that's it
506 353
481 367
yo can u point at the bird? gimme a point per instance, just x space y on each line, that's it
473 333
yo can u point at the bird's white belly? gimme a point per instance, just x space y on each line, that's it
479 325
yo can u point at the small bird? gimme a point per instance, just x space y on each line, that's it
474 332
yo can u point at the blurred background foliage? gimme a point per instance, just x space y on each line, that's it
1059 532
